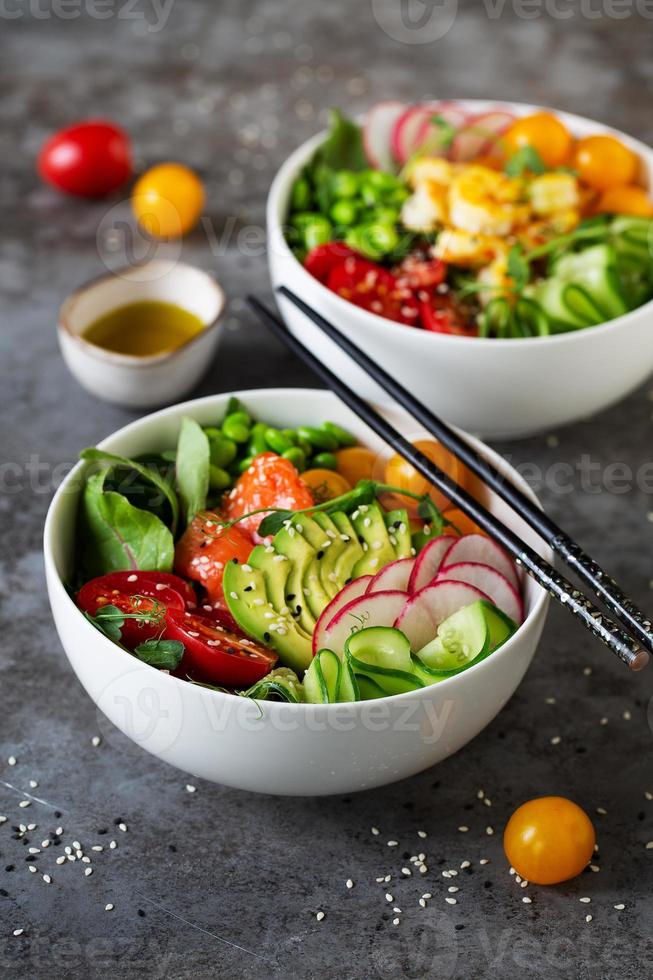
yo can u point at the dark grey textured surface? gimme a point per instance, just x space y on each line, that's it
221 883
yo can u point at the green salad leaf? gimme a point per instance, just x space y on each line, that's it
192 467
108 620
343 148
526 159
148 473
116 536
164 654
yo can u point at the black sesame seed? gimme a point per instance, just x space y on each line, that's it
320 554
57 814
141 913
290 597
459 927
487 884
248 588
267 637
10 867
4 893
173 848
102 830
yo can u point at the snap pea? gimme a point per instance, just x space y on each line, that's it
318 437
276 441
257 441
305 446
344 437
373 240
219 479
236 427
324 461
296 457
300 198
291 435
344 213
244 464
223 451
317 232
381 180
345 184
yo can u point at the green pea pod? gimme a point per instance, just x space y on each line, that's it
244 464
317 232
344 213
219 479
257 443
223 451
344 437
296 457
290 435
276 440
317 437
325 461
300 196
235 429
345 184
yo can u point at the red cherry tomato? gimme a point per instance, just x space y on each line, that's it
420 274
132 592
89 159
323 258
374 289
440 315
205 548
215 654
271 481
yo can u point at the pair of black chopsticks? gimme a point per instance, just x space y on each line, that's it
634 646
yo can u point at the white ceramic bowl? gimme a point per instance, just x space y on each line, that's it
274 747
496 388
142 382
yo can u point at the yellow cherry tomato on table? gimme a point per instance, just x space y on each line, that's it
604 162
628 199
542 131
325 484
548 840
167 200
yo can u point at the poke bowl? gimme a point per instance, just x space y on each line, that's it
499 283
211 664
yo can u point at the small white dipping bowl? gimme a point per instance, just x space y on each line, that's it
495 388
135 381
286 749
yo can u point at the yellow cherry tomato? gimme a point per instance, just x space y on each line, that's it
167 200
400 473
548 840
604 162
325 484
545 133
461 522
629 199
355 463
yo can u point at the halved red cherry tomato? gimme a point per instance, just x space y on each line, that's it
205 548
131 593
89 159
440 315
150 583
374 289
421 273
271 481
323 258
215 654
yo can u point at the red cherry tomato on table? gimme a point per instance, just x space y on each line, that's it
374 289
323 258
215 654
205 548
440 315
271 481
133 592
89 159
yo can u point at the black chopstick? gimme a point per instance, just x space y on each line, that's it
600 625
632 618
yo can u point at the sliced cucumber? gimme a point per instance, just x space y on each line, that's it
382 654
349 689
500 626
282 682
322 679
459 641
369 690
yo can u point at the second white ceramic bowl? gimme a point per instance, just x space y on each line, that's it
288 749
494 388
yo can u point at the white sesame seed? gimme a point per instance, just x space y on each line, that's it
18 932
33 784
620 907
406 871
45 843
423 869
517 877
86 860
427 895
453 889
113 845
108 907
12 760
594 867
61 860
349 883
549 700
489 831
465 864
33 850
32 868
556 740
396 909
79 854
387 878
451 901
76 845
649 845
68 850
587 671
88 871
603 721
47 879
484 861
588 918
445 874
422 903
190 788
601 811
395 922
24 803
392 843
123 827
524 883
648 795
95 741
59 831
380 880
585 900
3 819
487 801
463 829
627 715
422 834
389 897
319 916
97 847
526 900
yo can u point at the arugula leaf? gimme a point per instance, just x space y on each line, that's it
192 467
431 514
116 536
164 654
274 521
108 620
343 148
147 472
525 159
518 268
446 131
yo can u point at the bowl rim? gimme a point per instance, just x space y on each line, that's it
538 608
291 165
136 360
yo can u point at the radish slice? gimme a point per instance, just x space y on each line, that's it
452 113
424 611
347 594
406 132
372 609
480 135
429 560
504 595
377 133
394 577
478 548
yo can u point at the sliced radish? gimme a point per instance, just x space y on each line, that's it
377 133
406 132
479 135
424 611
504 595
427 563
372 609
394 577
478 548
347 594
452 113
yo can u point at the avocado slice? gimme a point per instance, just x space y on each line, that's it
247 598
276 574
314 594
370 528
353 550
300 554
333 546
398 526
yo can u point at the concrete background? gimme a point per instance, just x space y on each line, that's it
221 883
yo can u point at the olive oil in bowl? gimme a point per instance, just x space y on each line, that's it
143 329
